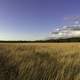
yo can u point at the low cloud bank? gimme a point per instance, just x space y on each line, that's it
66 32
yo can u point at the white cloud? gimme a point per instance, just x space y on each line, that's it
66 32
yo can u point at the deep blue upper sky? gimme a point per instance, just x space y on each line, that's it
33 19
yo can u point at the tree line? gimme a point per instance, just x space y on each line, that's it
76 39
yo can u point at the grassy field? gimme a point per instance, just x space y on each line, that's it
40 61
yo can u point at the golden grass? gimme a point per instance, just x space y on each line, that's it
40 61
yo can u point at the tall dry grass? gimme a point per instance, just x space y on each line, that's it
56 61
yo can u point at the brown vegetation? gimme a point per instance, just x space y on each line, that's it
40 61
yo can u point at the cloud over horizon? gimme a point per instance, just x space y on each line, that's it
66 32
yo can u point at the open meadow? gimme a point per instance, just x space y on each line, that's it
40 61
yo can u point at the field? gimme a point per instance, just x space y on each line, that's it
40 61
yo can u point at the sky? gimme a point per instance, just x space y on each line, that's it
34 19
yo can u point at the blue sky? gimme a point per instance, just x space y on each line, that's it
34 19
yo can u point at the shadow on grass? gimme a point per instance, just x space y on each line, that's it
8 68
